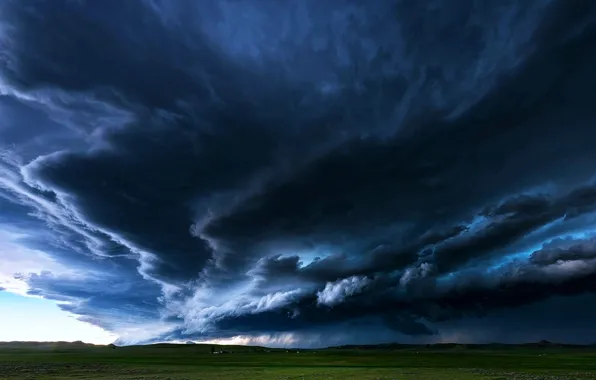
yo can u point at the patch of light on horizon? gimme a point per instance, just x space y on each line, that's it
142 332
280 340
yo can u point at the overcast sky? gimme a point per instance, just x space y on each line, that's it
303 173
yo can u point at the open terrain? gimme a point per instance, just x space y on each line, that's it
177 362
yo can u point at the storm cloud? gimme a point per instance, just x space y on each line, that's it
301 173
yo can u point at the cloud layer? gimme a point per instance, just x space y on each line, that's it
302 173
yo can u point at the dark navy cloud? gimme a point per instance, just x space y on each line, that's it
287 172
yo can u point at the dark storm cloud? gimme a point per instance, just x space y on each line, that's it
224 169
104 54
511 220
473 293
118 294
565 250
555 313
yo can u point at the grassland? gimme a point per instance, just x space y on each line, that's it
177 362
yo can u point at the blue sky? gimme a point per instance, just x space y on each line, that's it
34 319
301 173
31 318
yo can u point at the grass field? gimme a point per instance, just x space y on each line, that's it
177 362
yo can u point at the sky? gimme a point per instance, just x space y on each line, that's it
300 173
33 319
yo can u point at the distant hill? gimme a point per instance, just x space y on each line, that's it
198 347
46 345
201 347
447 346
195 347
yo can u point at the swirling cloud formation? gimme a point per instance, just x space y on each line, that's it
302 172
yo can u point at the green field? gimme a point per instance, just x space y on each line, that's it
197 362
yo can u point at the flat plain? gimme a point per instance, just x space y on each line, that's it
197 362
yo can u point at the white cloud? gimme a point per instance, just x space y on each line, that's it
54 214
140 333
199 314
336 292
16 259
417 272
267 340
